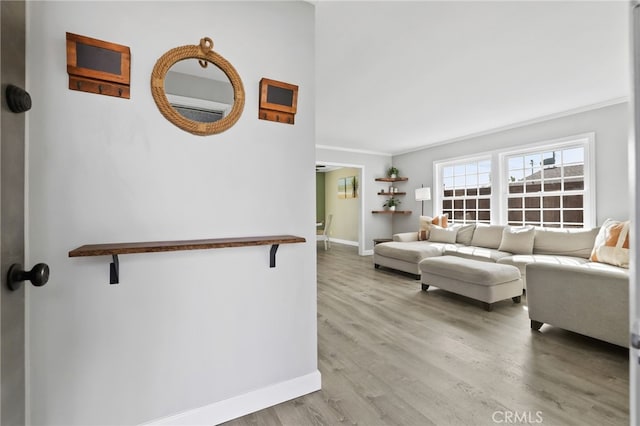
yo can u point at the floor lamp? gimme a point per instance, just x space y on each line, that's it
422 195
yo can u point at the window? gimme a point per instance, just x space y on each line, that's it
547 187
466 191
548 184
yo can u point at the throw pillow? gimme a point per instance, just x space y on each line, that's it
438 234
488 236
612 244
426 222
566 242
517 240
465 233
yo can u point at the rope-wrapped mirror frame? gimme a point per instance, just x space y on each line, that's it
204 53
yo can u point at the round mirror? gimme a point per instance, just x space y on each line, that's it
197 90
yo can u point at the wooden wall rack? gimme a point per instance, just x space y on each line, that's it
115 249
278 101
98 66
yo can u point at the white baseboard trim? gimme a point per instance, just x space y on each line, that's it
238 406
345 242
367 253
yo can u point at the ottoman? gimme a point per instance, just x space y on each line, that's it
487 282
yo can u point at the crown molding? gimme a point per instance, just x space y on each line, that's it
566 113
358 151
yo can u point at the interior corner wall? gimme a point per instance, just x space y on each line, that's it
375 226
611 128
345 211
184 334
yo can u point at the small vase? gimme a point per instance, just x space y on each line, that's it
393 175
392 208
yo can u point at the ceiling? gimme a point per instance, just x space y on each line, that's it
396 76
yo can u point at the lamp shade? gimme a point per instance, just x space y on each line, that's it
423 194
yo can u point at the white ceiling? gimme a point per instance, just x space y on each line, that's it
395 76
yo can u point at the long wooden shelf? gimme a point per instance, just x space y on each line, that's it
391 193
115 249
391 211
160 246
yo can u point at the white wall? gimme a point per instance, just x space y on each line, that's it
182 330
610 125
375 225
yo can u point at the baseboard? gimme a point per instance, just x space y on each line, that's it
345 242
352 243
232 408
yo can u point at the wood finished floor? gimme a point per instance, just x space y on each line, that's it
391 354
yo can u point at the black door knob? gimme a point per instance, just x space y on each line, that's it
38 275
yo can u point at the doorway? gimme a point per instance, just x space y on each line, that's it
340 193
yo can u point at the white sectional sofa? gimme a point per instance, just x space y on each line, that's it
564 288
485 243
591 299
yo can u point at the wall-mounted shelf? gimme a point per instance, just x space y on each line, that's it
388 179
391 193
115 249
391 211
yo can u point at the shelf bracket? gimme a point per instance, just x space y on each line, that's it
114 270
272 255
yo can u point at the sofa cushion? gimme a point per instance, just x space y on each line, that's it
612 244
475 253
522 260
488 236
426 222
443 235
470 272
517 240
614 271
567 242
412 252
405 236
465 233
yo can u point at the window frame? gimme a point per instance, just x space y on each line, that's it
500 179
585 141
438 178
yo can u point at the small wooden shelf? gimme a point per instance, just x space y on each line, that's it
388 179
114 249
391 193
391 211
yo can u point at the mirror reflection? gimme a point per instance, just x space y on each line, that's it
202 94
210 99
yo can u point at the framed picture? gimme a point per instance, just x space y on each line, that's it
351 187
342 188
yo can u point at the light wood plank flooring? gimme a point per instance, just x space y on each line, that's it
391 354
